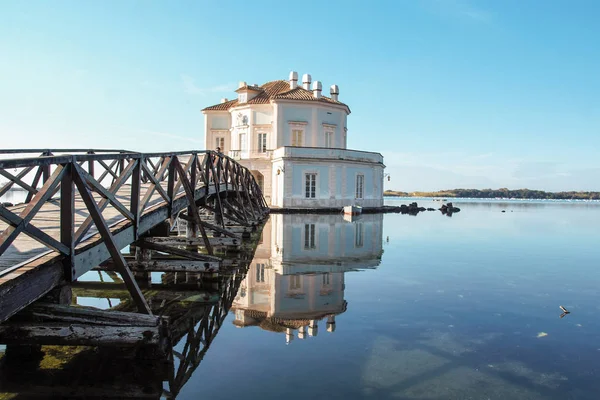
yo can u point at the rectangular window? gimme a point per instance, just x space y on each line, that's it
326 279
360 186
295 282
358 235
297 137
309 236
220 143
310 188
243 144
243 97
262 142
329 139
260 273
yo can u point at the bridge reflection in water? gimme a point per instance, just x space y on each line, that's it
292 282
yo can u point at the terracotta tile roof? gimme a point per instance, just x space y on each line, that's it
222 106
279 89
249 87
270 89
302 94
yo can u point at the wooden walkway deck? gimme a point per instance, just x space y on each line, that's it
30 268
25 249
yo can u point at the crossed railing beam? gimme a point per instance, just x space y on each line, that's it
67 178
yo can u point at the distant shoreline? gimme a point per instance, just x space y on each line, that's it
506 194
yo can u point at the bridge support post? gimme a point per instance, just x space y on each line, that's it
191 232
67 221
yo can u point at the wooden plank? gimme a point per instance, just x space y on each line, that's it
67 221
71 334
175 251
170 265
30 284
134 203
213 227
182 241
47 312
179 291
34 184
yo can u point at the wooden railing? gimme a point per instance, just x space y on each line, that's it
123 180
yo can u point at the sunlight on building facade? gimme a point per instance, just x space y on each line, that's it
294 140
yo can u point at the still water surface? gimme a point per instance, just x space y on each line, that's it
465 307
415 307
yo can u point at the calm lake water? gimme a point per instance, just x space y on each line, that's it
416 307
465 307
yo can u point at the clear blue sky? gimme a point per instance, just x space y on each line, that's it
452 93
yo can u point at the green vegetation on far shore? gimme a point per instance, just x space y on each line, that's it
500 193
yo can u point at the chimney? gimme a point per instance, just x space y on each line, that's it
334 90
331 324
224 100
289 335
317 87
241 84
302 332
293 80
313 328
306 79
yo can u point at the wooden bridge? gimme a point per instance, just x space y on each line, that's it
82 207
116 370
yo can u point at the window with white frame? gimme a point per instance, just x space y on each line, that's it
262 142
358 235
260 273
243 97
310 186
220 143
309 236
360 186
297 137
329 139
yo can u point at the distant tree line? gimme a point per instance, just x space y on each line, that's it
500 193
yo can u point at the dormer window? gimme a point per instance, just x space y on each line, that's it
243 97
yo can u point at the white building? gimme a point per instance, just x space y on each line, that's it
293 139
296 279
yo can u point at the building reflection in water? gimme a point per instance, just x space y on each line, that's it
296 279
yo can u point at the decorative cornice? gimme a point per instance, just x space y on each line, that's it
297 123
